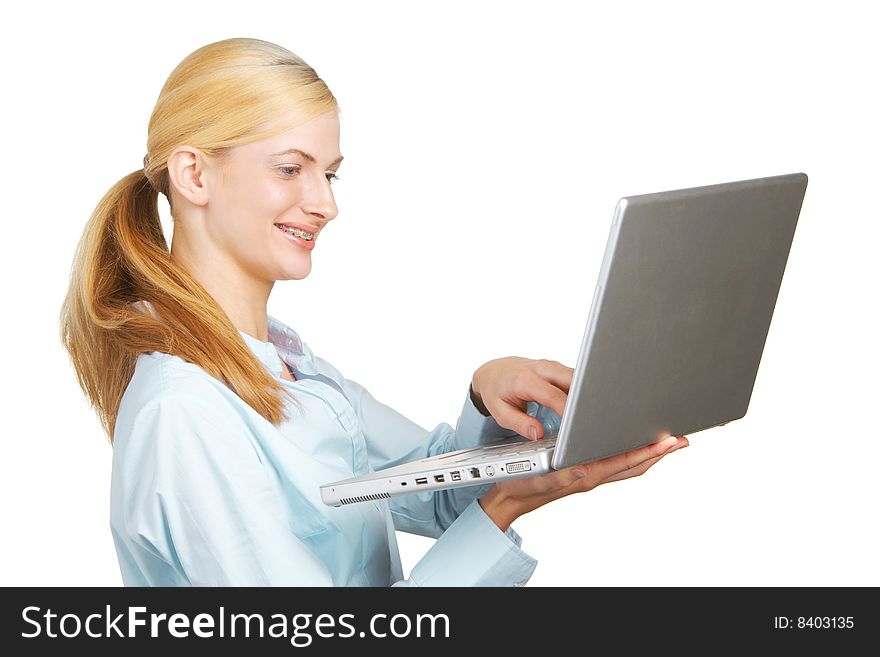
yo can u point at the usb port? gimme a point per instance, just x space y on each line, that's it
475 473
439 478
456 476
421 481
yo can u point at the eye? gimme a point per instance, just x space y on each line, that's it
291 171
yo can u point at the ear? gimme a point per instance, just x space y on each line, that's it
187 174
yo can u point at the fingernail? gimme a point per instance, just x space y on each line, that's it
579 473
533 432
668 442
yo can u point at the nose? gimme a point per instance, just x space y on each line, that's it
318 200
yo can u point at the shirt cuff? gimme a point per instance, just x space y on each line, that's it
483 410
474 552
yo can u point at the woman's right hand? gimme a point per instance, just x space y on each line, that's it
508 500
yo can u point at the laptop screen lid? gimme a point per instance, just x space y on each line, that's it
680 314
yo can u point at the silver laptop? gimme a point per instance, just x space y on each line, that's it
677 326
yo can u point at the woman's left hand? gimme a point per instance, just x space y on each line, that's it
506 386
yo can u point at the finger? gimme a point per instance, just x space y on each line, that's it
556 373
574 479
638 470
537 389
555 484
561 483
547 385
645 465
513 416
586 476
610 466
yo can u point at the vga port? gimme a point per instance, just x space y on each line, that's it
518 466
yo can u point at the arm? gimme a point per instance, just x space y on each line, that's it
191 504
471 550
392 439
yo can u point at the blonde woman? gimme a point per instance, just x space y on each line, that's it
223 423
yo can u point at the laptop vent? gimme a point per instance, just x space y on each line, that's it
364 498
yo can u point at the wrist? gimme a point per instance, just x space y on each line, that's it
477 401
499 508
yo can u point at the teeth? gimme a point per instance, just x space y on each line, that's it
296 231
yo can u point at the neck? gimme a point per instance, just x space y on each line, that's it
243 298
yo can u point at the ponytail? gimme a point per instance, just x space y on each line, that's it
220 96
122 259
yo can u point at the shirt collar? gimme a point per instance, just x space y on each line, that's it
283 342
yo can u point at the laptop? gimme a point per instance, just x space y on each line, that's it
676 329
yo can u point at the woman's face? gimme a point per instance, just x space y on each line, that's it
231 223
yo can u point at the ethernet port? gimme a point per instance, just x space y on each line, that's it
475 473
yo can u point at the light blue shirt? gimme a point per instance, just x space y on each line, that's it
207 492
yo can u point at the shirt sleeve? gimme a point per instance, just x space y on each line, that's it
197 506
471 550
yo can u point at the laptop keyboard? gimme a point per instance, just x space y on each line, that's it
500 451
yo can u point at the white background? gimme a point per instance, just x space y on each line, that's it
486 145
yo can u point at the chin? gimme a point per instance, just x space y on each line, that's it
288 273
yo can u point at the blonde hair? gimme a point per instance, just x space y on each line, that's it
217 98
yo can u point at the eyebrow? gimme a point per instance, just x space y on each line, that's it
310 158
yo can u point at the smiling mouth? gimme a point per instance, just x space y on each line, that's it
296 231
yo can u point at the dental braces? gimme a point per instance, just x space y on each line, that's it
296 231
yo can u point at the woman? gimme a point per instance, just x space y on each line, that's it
223 422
